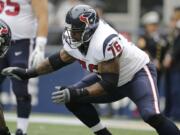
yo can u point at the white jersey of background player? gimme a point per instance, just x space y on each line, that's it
28 21
20 17
106 44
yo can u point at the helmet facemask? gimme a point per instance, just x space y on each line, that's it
73 37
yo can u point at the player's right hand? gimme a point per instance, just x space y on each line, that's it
61 95
16 72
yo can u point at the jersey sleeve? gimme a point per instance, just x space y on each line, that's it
66 47
112 47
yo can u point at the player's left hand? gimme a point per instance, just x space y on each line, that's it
38 54
65 94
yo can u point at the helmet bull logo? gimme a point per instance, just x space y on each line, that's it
84 19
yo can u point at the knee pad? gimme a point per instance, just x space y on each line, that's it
23 106
155 120
24 98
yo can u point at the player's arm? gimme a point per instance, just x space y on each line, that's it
109 71
50 64
40 8
54 62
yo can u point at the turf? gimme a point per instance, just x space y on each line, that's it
51 129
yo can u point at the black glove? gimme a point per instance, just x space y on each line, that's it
19 73
65 94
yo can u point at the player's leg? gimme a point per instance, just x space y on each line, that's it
3 127
145 95
168 97
174 94
2 78
19 57
86 112
23 99
3 64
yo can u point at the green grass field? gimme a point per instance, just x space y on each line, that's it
51 129
56 124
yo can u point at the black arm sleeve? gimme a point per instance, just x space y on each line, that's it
56 61
31 73
109 81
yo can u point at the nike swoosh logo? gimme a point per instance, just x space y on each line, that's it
17 53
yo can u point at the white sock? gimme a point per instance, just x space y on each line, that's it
22 123
97 127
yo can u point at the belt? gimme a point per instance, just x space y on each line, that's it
20 40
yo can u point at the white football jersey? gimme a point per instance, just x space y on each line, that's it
106 44
18 14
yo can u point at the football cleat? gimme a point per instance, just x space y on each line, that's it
19 132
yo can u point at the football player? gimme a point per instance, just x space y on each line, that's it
28 20
119 69
5 42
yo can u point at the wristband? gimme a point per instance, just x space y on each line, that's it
41 42
75 94
56 61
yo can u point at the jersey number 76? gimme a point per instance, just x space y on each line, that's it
115 48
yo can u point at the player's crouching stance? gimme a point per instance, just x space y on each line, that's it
120 70
5 42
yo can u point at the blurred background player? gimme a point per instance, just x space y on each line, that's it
153 42
172 66
28 21
5 42
63 7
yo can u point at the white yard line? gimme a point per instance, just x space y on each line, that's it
60 120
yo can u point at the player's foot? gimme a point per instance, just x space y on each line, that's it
19 132
103 131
